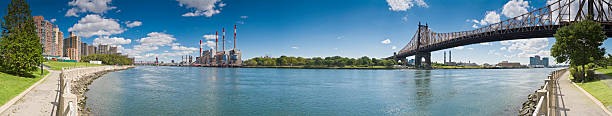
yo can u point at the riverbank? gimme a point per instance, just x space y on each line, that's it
82 77
326 67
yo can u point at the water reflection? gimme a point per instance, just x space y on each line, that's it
423 91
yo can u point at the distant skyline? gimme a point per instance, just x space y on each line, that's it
169 29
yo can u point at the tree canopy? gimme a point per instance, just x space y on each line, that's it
20 49
579 43
334 61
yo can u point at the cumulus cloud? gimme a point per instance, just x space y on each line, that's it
403 5
91 25
53 20
474 26
209 44
393 47
209 36
485 44
105 40
386 41
94 6
527 47
459 48
131 24
515 8
183 48
157 39
295 47
206 8
244 17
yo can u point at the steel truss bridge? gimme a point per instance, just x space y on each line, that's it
542 22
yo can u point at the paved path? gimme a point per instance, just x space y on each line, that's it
572 102
40 101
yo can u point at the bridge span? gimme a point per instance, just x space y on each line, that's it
542 22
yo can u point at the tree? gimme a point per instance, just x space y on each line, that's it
20 50
579 43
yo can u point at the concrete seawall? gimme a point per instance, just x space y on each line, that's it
74 83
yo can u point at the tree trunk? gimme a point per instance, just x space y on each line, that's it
583 74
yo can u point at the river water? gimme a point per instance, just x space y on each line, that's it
150 90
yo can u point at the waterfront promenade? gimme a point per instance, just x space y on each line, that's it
42 99
571 101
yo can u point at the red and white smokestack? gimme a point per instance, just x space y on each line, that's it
200 49
216 41
234 36
223 38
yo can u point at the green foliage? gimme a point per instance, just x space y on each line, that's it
334 61
579 76
579 43
20 50
109 59
11 85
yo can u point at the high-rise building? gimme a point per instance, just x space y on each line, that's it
535 61
72 47
112 50
50 37
91 50
103 49
84 49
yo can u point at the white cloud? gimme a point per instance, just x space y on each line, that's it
515 8
459 48
295 47
91 25
207 8
209 44
94 6
209 36
474 26
183 48
131 24
490 18
393 47
53 20
527 47
485 44
503 48
157 39
470 48
405 18
403 5
386 41
105 40
244 17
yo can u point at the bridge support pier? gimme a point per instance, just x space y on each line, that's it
418 60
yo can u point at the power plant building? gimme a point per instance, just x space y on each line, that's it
212 57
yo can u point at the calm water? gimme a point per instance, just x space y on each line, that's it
251 91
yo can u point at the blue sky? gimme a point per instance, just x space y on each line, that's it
353 28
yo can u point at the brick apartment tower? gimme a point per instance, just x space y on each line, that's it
50 37
72 47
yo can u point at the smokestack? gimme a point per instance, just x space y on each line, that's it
200 49
234 36
216 41
450 56
444 62
223 39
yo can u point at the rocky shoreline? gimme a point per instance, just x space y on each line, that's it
529 106
81 86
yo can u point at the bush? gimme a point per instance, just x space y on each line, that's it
578 75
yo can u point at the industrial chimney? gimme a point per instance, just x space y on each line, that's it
234 36
216 41
223 39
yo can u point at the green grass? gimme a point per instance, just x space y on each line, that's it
58 65
605 71
599 90
11 86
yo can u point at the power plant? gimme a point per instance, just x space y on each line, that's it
223 58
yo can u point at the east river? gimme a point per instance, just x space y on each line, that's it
150 90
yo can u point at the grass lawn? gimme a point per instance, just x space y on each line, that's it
599 90
11 86
58 65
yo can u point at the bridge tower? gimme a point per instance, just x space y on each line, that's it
420 54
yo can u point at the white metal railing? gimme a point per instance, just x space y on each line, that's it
546 94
